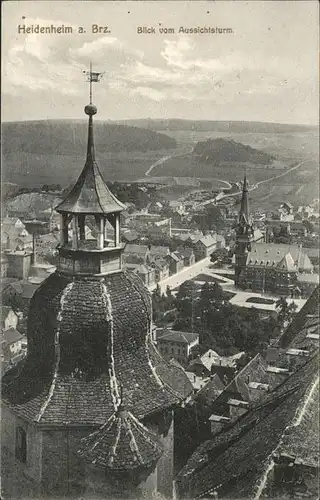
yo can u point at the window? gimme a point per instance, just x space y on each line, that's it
21 444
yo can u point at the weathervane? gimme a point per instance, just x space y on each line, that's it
92 76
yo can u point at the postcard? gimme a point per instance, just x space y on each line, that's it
160 250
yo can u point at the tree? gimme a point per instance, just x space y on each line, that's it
220 256
309 226
286 311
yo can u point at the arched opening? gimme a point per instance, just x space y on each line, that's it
21 444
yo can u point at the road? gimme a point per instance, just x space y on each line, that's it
295 167
187 273
166 158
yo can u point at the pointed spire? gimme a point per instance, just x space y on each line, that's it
90 194
244 213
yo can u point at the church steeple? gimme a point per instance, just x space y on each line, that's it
244 234
89 197
244 213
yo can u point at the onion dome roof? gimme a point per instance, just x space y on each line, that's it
86 338
122 443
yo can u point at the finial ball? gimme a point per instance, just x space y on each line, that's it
90 109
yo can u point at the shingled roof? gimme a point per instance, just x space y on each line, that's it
122 443
80 351
237 462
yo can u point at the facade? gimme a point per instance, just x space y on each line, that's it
176 262
89 412
271 451
9 319
177 345
268 267
204 247
188 256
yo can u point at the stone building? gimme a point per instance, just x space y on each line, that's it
268 267
89 411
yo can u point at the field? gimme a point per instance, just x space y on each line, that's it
290 147
34 170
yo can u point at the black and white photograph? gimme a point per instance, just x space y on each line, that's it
160 228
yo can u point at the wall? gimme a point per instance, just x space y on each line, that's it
19 480
18 265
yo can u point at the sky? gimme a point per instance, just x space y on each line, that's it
267 69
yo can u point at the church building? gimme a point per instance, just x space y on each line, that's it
280 269
89 412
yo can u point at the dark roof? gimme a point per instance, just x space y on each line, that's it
11 335
270 255
103 343
90 194
138 249
159 250
308 313
185 251
122 443
237 461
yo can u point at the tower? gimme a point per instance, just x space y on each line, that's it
244 235
89 350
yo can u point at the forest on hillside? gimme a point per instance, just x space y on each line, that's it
223 150
69 138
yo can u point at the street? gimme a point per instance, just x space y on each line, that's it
187 273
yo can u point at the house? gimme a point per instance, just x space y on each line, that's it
135 254
22 290
9 222
145 272
160 266
272 450
204 247
155 207
130 236
9 319
13 340
158 251
175 344
176 262
273 268
177 206
211 362
188 255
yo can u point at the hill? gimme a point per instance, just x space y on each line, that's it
217 126
31 203
223 150
66 137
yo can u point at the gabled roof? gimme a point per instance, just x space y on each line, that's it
208 240
270 255
5 311
176 336
90 194
139 249
238 462
159 250
287 263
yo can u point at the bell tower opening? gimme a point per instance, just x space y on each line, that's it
90 198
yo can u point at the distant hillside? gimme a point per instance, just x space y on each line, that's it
69 138
222 150
30 203
217 126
